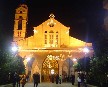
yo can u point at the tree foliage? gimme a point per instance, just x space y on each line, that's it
99 62
97 66
9 63
99 69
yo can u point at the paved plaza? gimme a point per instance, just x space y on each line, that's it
43 85
50 85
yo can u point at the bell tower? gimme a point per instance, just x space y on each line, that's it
20 22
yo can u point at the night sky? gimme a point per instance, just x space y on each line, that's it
84 17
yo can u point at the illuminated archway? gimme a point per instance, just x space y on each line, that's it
49 67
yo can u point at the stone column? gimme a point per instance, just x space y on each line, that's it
26 69
31 76
40 74
40 68
76 76
60 68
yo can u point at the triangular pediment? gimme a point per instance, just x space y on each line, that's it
52 22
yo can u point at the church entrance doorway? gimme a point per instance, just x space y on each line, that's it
50 68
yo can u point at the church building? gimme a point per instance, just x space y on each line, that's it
51 50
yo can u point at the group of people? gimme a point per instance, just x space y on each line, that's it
58 79
19 80
81 79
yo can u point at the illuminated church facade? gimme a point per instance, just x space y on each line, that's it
51 50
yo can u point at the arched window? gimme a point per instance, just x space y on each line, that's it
51 37
45 37
20 23
57 36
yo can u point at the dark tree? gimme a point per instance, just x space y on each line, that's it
99 62
9 64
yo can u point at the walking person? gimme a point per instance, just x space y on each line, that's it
60 79
79 80
18 80
83 79
23 80
36 79
57 79
27 77
72 79
14 79
42 78
52 78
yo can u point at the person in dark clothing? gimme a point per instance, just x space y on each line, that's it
18 80
83 79
9 77
36 79
39 77
14 79
52 78
27 78
57 79
73 79
23 80
42 78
